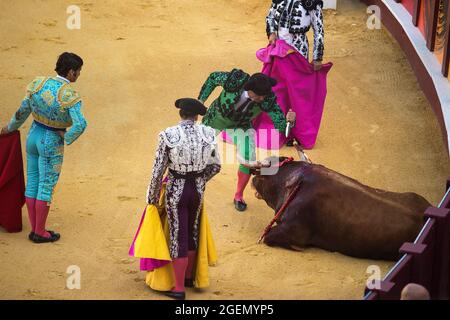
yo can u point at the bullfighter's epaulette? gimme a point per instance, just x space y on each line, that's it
269 102
236 80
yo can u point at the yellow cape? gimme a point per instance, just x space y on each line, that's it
152 242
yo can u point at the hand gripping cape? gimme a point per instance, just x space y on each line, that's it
151 245
300 88
12 182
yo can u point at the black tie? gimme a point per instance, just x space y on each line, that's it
241 110
244 105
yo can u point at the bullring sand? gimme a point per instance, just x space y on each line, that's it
139 57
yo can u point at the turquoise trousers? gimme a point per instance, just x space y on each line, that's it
45 151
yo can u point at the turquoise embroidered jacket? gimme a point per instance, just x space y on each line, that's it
220 114
54 103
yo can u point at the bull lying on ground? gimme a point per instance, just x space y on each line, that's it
337 213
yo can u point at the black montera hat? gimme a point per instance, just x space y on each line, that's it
191 105
260 84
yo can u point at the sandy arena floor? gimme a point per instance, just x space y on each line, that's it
139 57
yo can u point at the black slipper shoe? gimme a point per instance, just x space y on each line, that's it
175 295
40 239
54 234
240 205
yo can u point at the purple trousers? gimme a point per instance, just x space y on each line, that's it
184 218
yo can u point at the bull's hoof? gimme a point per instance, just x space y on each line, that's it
240 205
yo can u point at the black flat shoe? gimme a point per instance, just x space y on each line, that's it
189 283
54 234
40 239
240 205
175 295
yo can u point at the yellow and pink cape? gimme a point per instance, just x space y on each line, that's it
151 244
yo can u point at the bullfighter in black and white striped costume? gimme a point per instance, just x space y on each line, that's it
290 20
189 151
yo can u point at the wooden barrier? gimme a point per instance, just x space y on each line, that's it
427 260
429 10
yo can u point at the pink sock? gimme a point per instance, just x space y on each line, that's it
31 207
42 209
243 180
179 267
192 255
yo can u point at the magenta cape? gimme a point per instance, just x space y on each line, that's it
298 87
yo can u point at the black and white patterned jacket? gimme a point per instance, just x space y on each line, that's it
187 147
298 16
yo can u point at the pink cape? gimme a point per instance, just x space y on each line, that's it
298 87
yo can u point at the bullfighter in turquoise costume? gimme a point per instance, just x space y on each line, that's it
54 106
242 99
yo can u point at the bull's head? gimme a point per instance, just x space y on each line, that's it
273 188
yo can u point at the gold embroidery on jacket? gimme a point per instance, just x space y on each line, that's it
48 97
51 123
35 85
67 97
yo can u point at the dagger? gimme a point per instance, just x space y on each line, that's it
289 126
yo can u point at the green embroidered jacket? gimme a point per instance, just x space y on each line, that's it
222 115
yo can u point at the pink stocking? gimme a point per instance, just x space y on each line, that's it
243 179
192 255
31 207
42 209
179 267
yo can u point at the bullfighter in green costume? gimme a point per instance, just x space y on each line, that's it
242 99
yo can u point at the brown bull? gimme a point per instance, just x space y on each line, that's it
337 213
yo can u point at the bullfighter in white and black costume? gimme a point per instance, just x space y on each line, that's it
189 151
290 20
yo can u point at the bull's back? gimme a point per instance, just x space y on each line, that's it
359 220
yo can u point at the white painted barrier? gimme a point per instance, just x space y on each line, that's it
330 4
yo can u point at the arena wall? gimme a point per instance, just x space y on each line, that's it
422 28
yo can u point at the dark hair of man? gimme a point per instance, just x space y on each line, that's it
260 84
66 62
186 114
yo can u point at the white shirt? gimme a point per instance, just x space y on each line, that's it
62 78
242 99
